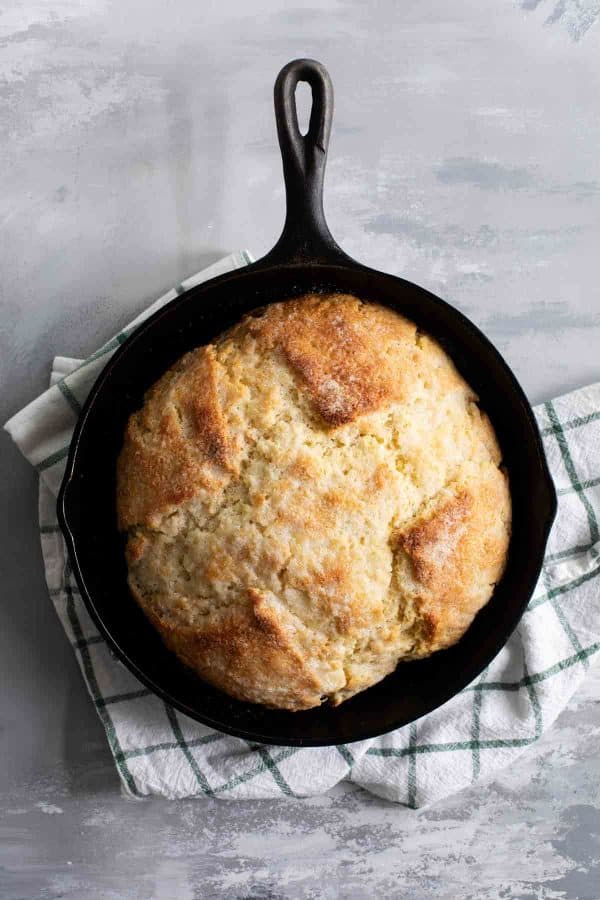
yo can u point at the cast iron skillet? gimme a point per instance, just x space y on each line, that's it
306 258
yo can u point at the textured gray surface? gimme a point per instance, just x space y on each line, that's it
137 145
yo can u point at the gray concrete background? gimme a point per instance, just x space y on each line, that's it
138 145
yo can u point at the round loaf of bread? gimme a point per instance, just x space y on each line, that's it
311 499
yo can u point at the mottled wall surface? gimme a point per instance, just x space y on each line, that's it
137 145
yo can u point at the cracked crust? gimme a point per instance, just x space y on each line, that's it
311 499
437 552
248 646
177 445
345 359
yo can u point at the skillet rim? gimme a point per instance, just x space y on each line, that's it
454 685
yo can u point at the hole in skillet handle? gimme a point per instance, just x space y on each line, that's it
306 235
303 106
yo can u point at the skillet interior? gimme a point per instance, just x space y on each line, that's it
87 505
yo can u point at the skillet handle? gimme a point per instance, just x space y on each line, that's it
305 235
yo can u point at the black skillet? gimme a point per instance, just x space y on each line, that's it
306 258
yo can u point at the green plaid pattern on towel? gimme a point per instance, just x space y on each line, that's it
160 751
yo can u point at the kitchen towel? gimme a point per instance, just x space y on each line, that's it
483 729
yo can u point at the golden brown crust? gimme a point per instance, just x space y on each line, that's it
433 543
176 445
248 654
311 499
340 350
456 554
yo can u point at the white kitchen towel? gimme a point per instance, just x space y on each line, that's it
484 728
